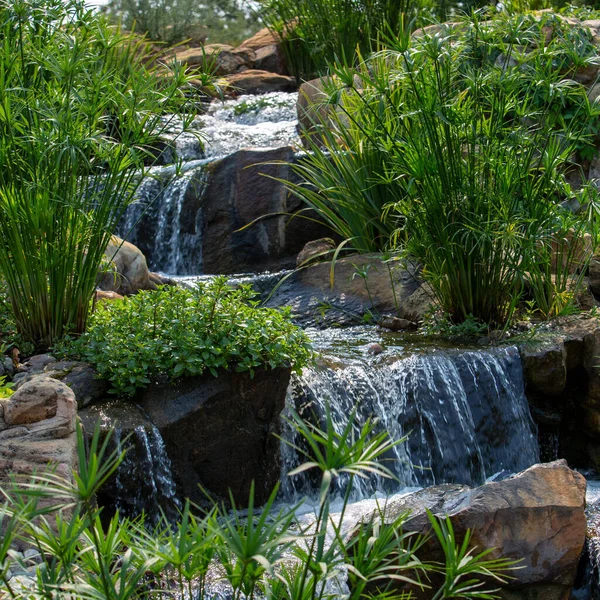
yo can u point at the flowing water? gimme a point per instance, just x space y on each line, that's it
157 222
463 413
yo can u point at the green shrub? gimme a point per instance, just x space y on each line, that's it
81 109
459 142
176 332
175 21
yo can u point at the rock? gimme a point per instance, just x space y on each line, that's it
536 517
315 251
545 368
396 324
268 53
127 272
43 401
225 59
307 291
81 378
254 81
242 188
562 377
314 109
37 431
219 432
374 349
100 296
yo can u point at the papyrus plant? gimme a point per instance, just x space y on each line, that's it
82 106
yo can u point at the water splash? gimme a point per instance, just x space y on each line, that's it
465 414
159 226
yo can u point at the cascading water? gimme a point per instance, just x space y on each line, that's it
143 481
165 220
465 414
156 222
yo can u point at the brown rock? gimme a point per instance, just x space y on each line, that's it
45 402
101 296
545 367
315 112
223 58
127 270
536 517
396 324
260 39
316 250
254 81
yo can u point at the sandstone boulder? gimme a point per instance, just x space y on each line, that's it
536 517
267 51
37 429
223 58
127 270
255 81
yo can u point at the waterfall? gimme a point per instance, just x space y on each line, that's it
143 481
464 413
164 221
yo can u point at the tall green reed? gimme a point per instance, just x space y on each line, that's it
82 107
470 161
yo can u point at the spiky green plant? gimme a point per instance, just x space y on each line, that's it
452 148
81 109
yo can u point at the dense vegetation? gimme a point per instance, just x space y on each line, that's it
86 555
176 332
452 148
174 21
81 106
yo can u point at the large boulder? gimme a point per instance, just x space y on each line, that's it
126 271
361 284
256 81
217 432
536 517
37 432
268 55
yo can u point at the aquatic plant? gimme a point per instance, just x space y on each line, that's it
450 147
82 109
85 554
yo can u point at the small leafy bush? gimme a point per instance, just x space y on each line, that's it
176 332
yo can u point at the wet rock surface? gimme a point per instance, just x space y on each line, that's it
361 284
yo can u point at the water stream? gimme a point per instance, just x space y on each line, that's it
165 221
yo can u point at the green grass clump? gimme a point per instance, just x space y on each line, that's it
452 148
82 109
176 332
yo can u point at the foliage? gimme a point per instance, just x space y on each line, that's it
84 555
452 147
5 388
81 110
176 332
174 21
